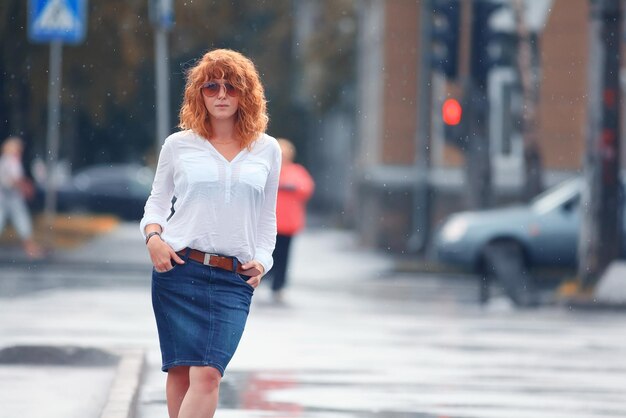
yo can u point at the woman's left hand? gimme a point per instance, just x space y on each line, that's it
254 281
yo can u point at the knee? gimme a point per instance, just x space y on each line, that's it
178 376
206 379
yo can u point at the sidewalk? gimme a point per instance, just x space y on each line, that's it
73 302
103 304
71 232
356 339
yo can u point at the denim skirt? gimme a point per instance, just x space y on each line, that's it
201 313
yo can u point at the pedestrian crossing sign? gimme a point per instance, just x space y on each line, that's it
57 20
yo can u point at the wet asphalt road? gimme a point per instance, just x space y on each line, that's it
354 340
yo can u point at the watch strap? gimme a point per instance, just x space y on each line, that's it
151 234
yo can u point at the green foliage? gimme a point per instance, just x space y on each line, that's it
331 54
108 98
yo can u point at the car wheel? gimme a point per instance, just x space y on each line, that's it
504 262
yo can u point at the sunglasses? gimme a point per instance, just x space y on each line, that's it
212 88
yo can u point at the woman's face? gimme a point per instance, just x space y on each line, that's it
221 99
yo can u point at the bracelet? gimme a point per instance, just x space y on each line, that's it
151 234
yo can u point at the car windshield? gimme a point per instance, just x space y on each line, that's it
556 196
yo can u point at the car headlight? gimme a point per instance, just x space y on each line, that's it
454 229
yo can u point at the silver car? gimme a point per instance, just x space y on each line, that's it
541 234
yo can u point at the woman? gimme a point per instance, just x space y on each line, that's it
212 246
15 188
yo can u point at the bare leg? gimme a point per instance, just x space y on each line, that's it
201 398
176 388
32 249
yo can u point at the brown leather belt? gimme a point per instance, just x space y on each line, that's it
215 260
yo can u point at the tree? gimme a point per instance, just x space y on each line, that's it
331 54
108 92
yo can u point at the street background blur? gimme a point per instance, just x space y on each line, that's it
467 161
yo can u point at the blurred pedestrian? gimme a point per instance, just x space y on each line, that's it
15 189
295 188
210 254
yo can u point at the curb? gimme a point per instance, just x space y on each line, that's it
425 266
122 399
572 295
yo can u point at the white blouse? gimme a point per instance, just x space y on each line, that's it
221 207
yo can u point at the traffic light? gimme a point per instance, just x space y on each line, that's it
490 48
445 36
454 124
451 112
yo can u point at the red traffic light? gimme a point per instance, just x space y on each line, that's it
451 112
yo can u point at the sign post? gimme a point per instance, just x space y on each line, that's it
162 17
55 22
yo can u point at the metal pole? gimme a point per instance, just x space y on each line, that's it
422 194
600 235
477 154
54 113
162 87
533 182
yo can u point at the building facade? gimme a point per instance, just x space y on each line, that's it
388 146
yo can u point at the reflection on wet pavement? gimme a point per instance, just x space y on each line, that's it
252 391
289 394
269 392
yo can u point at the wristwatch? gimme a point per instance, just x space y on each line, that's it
151 234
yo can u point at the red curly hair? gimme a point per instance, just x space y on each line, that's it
251 117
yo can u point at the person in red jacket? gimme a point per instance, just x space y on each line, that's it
295 188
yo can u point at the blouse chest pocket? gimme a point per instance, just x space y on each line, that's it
254 173
199 167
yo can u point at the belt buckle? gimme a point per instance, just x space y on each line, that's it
207 259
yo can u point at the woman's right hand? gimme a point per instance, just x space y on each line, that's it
162 255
